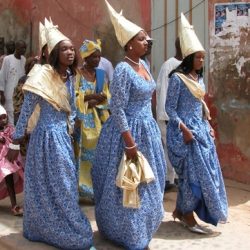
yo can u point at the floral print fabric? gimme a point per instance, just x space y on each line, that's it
201 185
51 210
130 110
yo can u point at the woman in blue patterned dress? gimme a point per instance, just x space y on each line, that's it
51 211
190 141
130 127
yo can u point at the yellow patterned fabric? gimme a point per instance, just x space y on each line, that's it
89 47
88 127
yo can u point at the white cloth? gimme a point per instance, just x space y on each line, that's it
12 70
171 175
129 177
107 66
162 87
161 96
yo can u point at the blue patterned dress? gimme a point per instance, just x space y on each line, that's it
51 211
130 110
201 185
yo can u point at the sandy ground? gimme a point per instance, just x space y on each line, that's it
235 234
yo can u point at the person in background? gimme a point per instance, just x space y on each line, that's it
148 53
10 49
18 94
11 173
129 129
51 210
107 66
12 70
162 117
92 97
190 140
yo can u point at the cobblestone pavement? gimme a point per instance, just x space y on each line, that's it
235 234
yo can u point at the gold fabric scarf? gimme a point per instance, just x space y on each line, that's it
47 83
197 91
130 175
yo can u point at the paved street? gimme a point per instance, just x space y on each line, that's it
235 234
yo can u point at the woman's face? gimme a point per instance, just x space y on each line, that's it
198 60
94 59
66 53
139 44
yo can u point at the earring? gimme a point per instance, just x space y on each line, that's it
130 47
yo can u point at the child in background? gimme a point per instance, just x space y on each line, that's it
11 174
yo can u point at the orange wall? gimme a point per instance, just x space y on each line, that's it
89 19
77 19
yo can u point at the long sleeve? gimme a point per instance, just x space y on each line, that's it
173 98
119 89
30 101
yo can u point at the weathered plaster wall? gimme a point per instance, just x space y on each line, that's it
89 19
77 19
229 91
15 19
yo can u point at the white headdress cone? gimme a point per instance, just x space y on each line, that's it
53 35
188 39
2 110
124 29
42 37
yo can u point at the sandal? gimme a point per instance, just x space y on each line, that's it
17 211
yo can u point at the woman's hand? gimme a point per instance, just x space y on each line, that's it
212 133
130 145
92 103
12 155
97 97
187 136
77 123
131 153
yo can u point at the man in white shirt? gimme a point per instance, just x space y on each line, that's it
10 49
12 70
162 117
107 66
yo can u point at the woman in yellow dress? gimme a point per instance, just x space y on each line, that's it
92 95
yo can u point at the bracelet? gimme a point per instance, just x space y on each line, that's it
131 147
14 146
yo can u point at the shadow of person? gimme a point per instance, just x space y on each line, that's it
17 241
102 243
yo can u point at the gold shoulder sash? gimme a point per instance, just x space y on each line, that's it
197 91
46 82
